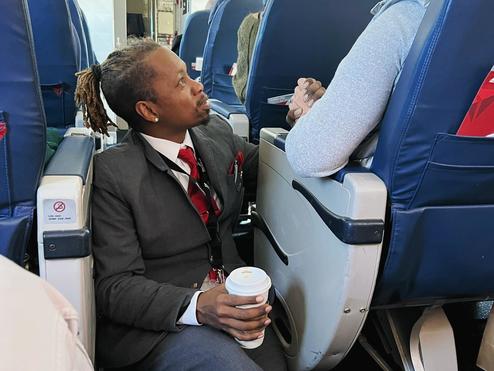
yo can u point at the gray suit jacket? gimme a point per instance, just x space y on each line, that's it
149 242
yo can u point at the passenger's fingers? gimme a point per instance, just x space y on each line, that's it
293 115
299 91
292 105
319 93
299 97
294 110
297 113
314 87
314 92
246 326
316 96
301 81
308 81
244 314
235 300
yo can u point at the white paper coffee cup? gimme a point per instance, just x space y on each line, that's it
249 281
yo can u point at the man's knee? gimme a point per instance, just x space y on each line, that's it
230 358
205 348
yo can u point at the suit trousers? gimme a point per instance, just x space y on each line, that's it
202 348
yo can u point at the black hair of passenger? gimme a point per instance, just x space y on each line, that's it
125 78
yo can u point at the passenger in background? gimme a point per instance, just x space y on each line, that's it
164 205
246 36
328 133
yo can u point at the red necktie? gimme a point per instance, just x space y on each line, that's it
196 195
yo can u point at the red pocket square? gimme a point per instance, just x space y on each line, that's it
239 160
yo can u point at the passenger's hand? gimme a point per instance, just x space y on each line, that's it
307 92
217 308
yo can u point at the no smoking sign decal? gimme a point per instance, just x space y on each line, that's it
59 206
59 211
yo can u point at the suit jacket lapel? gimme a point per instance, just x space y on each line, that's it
205 146
149 152
153 156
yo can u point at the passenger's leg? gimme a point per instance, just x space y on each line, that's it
200 348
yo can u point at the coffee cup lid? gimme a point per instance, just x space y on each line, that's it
246 281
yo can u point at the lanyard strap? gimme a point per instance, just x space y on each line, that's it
212 226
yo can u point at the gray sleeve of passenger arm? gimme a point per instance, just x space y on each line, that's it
123 293
323 140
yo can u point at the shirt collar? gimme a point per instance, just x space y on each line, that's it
168 148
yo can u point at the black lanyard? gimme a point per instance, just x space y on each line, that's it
214 245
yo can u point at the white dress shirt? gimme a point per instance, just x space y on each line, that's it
170 150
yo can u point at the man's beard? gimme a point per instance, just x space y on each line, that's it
205 121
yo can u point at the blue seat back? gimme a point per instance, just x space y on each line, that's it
194 39
22 130
284 52
58 58
220 51
76 17
90 50
440 185
213 10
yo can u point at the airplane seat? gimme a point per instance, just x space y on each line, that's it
76 17
64 228
220 51
288 48
277 64
438 183
213 10
77 46
58 59
193 39
91 55
321 239
22 132
61 201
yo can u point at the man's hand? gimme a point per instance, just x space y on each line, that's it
307 92
217 308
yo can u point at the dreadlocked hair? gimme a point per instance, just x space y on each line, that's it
87 96
125 78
